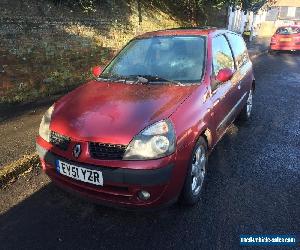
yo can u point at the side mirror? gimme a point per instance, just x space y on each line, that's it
224 75
97 70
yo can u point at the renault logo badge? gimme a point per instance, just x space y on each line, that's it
76 150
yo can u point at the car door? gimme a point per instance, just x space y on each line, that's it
221 93
243 76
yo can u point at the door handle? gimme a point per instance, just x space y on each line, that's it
216 102
209 110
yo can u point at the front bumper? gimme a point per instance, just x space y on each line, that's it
283 46
121 185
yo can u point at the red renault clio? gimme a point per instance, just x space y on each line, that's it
139 135
286 38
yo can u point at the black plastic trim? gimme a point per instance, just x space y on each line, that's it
151 177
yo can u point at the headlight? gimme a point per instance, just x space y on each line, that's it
44 130
154 142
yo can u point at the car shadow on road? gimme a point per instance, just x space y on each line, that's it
53 218
290 53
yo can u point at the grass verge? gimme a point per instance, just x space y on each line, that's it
10 172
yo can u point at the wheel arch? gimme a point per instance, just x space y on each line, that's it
207 135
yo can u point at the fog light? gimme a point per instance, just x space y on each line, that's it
144 195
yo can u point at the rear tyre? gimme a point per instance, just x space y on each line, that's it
196 174
246 112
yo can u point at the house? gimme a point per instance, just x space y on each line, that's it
282 12
263 18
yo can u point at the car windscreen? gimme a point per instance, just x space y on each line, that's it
176 58
288 30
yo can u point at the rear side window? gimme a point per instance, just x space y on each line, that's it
239 49
222 56
288 30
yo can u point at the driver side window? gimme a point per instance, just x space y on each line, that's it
222 57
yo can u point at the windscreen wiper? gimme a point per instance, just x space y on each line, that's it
139 79
113 78
151 78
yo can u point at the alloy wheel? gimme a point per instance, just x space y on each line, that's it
198 169
249 103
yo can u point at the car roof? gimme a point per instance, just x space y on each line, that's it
202 31
287 26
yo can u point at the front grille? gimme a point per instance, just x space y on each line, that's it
60 141
104 151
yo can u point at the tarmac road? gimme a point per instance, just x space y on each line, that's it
253 186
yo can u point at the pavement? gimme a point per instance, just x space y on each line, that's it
258 45
19 124
19 135
252 186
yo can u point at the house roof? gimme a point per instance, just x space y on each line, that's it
290 3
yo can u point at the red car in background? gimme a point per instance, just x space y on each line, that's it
140 134
286 38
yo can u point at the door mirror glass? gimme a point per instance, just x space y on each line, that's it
97 70
224 75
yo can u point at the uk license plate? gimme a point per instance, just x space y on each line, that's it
79 173
285 39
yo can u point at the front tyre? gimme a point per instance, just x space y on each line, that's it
196 174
